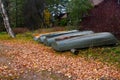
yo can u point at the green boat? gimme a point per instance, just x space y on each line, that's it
91 40
48 41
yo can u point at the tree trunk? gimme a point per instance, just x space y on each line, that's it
6 20
118 1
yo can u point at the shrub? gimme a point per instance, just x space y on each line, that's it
63 22
20 30
77 9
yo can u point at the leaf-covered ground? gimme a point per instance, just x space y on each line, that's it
26 60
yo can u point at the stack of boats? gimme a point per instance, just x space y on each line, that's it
75 39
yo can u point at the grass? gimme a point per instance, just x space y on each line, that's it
4 36
19 37
110 55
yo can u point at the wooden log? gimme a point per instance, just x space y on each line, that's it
42 37
49 41
91 40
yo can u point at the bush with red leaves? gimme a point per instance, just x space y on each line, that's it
104 17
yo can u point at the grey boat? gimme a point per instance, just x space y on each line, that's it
42 37
48 41
91 40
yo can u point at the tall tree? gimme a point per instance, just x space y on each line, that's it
77 10
6 20
33 12
15 12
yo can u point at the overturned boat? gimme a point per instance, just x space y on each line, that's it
48 41
42 37
91 40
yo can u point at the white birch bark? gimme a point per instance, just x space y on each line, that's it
118 1
6 20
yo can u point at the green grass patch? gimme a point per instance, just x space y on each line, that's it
26 37
4 36
110 55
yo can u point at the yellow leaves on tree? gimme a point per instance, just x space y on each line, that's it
47 17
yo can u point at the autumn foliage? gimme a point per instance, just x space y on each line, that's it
104 17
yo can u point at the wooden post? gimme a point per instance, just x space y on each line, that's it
6 20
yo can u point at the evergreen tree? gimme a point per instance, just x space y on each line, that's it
33 13
77 10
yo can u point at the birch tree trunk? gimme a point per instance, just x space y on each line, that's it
6 20
118 1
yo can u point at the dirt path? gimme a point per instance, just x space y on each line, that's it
21 61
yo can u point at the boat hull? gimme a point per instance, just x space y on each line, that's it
44 36
49 41
91 40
